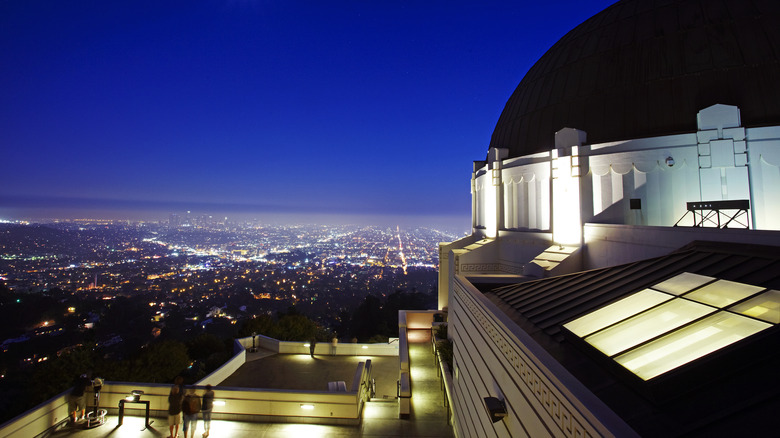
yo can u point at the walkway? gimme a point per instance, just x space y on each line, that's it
429 413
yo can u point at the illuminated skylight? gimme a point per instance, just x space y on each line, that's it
765 306
723 293
682 283
616 312
689 343
677 321
647 325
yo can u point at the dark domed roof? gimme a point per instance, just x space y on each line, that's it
644 68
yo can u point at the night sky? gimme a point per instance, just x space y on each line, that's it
275 109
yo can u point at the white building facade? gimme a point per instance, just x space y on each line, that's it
580 206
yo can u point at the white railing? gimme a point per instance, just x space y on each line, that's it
228 368
321 348
42 417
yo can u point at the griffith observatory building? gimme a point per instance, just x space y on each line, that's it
622 276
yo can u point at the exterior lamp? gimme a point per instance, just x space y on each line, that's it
496 409
307 407
135 395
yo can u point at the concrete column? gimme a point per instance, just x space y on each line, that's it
566 187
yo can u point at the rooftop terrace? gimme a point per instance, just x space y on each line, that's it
288 381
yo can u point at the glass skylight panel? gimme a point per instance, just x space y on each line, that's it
723 293
689 343
765 306
682 283
652 332
647 325
616 312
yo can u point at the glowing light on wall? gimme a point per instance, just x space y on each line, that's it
489 201
567 229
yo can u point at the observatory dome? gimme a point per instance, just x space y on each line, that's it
644 68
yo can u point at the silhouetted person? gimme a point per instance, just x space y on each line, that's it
77 399
312 346
190 407
208 405
174 411
179 381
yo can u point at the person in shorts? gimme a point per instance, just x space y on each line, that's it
77 399
174 411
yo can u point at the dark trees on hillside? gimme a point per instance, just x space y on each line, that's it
287 326
374 320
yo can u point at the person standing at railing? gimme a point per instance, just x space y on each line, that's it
208 405
174 411
191 407
77 399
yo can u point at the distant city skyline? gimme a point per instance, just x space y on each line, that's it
137 110
69 209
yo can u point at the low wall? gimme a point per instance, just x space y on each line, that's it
321 348
403 350
241 345
44 416
228 368
361 384
609 245
238 404
446 377
416 319
245 404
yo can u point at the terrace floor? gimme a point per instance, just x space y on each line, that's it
302 372
380 416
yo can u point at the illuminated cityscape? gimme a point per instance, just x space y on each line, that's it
256 267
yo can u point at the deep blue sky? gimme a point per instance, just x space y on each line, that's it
343 107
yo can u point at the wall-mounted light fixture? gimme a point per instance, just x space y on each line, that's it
669 161
496 408
307 407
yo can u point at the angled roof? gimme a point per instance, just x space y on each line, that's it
732 392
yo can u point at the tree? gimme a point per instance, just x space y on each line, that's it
159 362
368 320
295 328
262 324
374 320
289 326
56 375
204 345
